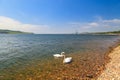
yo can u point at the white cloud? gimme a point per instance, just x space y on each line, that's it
11 24
90 25
112 21
94 24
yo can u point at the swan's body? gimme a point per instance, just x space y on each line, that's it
58 55
67 60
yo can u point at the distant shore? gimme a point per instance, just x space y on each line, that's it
13 32
112 71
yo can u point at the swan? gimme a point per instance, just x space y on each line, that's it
59 55
67 60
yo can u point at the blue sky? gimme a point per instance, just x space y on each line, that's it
60 16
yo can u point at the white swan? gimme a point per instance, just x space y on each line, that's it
58 55
67 60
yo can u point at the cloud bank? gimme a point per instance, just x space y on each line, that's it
100 25
11 24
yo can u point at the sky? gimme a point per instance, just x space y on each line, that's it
60 16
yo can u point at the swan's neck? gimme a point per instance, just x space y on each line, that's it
62 53
64 56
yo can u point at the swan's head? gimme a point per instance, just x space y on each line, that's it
62 53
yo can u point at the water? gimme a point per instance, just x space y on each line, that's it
20 49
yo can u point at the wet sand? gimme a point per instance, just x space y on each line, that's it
112 71
85 66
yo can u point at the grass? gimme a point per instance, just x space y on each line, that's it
111 32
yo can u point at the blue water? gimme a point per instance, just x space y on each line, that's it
24 48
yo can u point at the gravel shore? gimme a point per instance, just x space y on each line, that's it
112 71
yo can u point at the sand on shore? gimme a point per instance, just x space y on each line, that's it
112 71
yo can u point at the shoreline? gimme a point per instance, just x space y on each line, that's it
112 70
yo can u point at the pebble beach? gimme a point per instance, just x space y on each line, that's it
112 71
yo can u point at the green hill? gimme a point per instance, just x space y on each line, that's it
111 32
12 32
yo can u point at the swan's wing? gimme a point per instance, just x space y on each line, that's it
67 60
